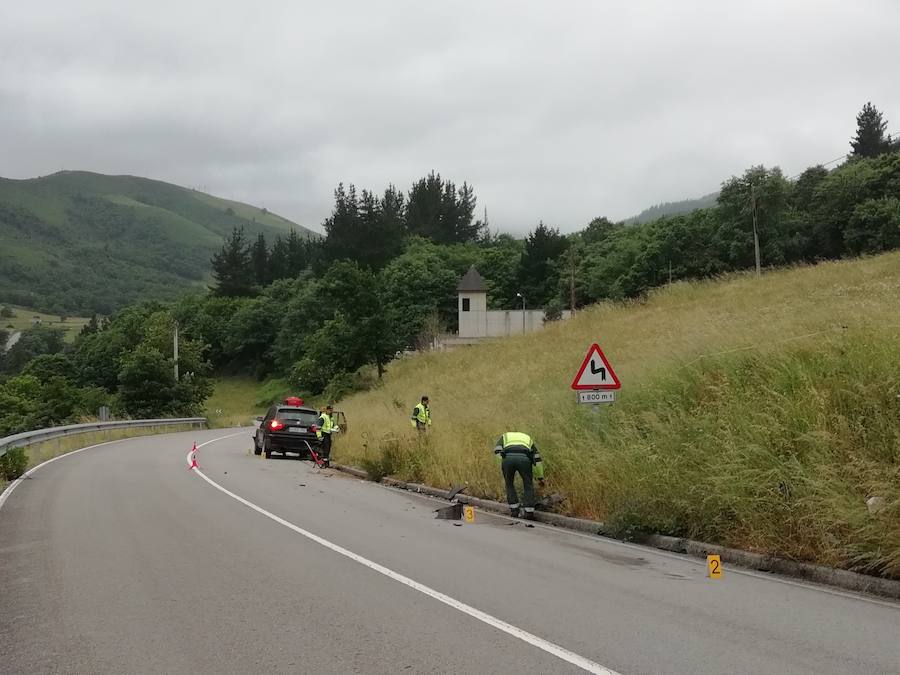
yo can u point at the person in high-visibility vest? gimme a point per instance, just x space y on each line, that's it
421 415
518 454
325 427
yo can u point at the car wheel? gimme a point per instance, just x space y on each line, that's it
266 449
256 449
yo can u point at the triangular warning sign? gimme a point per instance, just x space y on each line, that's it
595 372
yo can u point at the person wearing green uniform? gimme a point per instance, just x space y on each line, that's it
518 454
325 427
421 415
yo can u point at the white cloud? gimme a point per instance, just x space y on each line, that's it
554 111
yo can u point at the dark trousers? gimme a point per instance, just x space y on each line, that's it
325 447
516 463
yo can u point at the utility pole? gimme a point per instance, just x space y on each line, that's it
755 231
175 351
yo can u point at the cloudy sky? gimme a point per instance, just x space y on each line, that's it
554 110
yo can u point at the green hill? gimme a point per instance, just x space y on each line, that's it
673 208
81 242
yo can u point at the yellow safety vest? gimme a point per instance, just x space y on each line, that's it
422 414
327 425
518 439
511 438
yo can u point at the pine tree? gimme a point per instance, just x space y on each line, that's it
259 256
296 254
232 268
437 210
279 263
342 226
425 210
364 228
390 230
466 227
870 139
538 271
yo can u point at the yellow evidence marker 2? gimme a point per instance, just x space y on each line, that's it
469 514
714 566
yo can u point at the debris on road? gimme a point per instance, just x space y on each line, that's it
452 512
455 490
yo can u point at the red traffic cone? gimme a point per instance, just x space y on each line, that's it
194 464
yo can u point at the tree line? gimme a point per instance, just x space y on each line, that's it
383 280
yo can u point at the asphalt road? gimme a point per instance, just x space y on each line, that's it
12 340
119 559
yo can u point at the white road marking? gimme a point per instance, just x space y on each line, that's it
509 629
12 486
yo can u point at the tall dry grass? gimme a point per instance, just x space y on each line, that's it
754 413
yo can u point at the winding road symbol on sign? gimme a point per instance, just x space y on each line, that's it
596 372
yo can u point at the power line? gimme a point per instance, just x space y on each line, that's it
836 159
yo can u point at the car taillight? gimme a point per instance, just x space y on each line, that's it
276 425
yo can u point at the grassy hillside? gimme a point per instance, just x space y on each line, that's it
761 414
82 242
24 319
236 401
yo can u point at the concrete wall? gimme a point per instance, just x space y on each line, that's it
502 323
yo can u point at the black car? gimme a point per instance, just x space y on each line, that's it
286 429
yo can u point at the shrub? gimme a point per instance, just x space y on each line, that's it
553 311
400 457
13 463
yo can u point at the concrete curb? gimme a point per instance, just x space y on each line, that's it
829 576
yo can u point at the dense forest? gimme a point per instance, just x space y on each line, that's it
320 311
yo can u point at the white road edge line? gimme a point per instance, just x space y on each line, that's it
509 629
12 486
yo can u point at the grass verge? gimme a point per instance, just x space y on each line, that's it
761 414
236 401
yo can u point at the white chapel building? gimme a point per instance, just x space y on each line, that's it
477 322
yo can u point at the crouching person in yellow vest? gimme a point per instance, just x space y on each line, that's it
325 427
421 416
519 455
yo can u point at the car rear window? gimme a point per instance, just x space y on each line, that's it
306 416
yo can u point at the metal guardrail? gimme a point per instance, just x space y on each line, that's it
41 435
